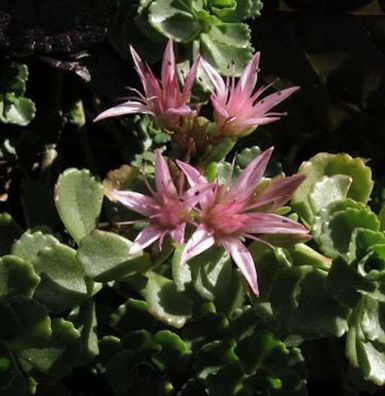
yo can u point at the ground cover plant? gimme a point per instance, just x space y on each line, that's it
192 198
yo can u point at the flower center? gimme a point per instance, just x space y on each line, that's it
171 212
225 218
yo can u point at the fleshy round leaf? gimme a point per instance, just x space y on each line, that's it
325 164
17 110
175 19
9 232
84 318
303 304
165 302
14 107
365 341
328 190
226 44
30 244
211 273
173 349
78 198
63 284
12 381
24 323
17 277
232 11
132 315
361 241
61 353
105 257
334 227
181 273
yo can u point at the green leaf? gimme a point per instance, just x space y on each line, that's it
334 227
9 232
256 7
181 273
268 262
61 353
12 381
84 318
233 297
343 282
165 302
211 273
63 284
14 78
231 11
272 368
78 199
24 323
30 244
381 218
14 107
302 254
105 257
303 304
220 150
247 155
174 350
132 315
225 44
325 164
361 271
262 344
327 190
361 241
17 111
365 341
120 372
175 19
17 277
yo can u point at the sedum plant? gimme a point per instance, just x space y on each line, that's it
194 269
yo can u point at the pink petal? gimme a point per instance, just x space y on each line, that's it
168 65
183 111
220 108
129 107
198 193
199 241
193 176
189 82
279 191
135 201
267 223
270 101
178 233
256 121
148 236
163 180
215 78
150 83
141 69
248 181
198 183
244 261
249 77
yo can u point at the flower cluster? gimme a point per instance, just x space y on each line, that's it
217 214
238 110
226 214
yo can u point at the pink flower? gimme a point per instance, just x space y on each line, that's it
168 210
232 212
237 108
163 98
